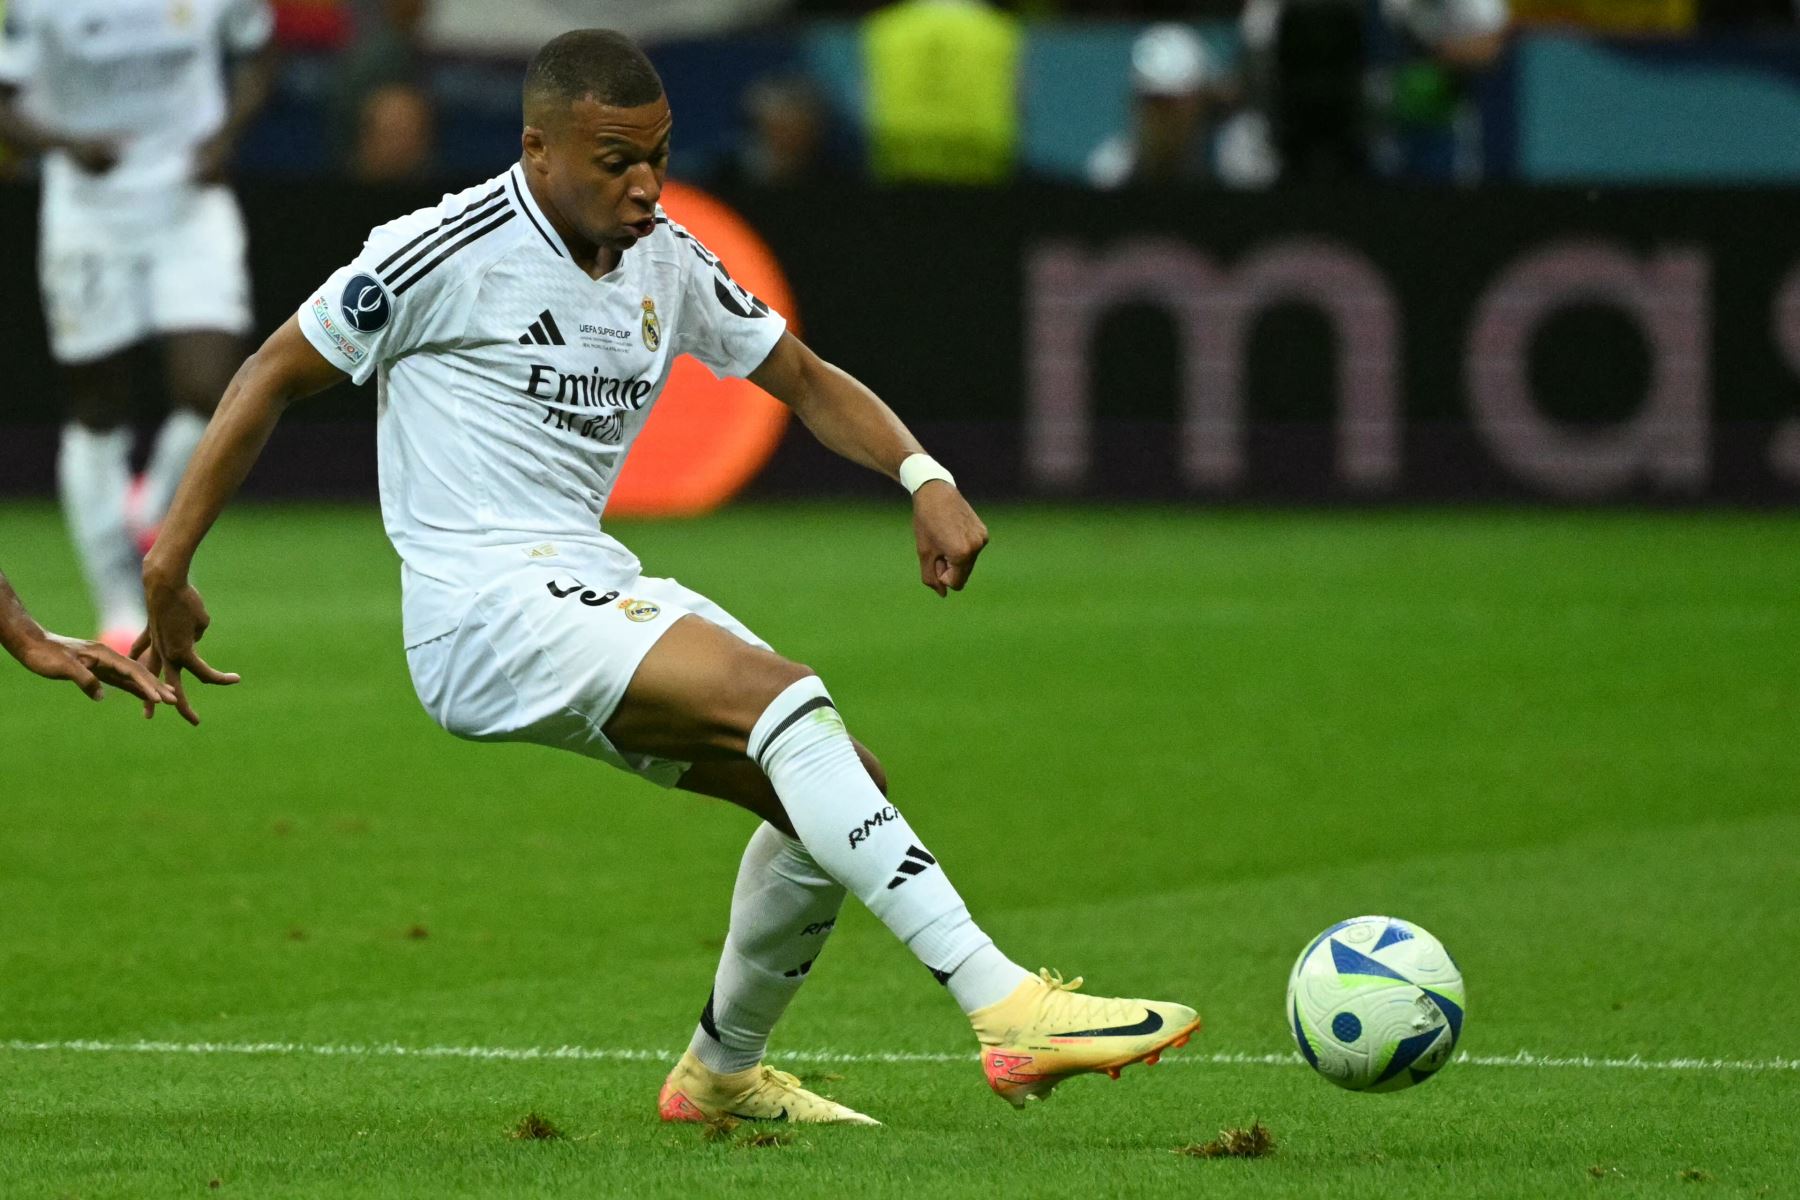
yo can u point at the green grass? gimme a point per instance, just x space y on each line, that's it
1160 749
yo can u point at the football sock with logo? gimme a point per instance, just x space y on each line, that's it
863 841
93 473
175 441
783 908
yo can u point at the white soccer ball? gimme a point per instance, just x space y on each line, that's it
1376 1004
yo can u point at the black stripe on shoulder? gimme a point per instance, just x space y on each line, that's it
386 262
506 215
446 233
526 209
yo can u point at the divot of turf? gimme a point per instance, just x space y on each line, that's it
768 1139
1693 1175
534 1127
723 1130
1254 1142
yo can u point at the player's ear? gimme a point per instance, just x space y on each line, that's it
535 145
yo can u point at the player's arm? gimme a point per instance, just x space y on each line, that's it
88 665
252 82
285 369
851 420
18 130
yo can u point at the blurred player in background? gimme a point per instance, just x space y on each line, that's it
521 331
1183 130
129 104
87 665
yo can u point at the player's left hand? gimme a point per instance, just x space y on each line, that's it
949 534
90 666
178 619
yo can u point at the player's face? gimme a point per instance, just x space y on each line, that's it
605 169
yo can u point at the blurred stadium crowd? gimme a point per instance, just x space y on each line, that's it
775 93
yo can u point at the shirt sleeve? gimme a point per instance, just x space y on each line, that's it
249 24
722 324
379 307
18 44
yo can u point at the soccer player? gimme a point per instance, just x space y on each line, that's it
87 665
520 332
138 238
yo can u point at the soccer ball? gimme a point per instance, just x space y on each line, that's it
1376 1004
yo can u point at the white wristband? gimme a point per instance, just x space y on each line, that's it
917 470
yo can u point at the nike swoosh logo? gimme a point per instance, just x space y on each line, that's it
780 1116
1150 1024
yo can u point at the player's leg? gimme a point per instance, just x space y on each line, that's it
782 910
197 366
92 310
701 692
783 907
93 475
199 292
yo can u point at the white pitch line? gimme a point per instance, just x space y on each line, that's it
1523 1058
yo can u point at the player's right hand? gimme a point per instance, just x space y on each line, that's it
96 156
178 619
90 666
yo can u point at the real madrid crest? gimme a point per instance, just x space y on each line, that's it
640 610
652 327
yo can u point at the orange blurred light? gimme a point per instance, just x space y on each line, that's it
707 438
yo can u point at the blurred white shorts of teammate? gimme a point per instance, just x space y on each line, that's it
545 653
110 283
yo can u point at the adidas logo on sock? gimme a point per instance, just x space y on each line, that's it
543 332
914 863
800 971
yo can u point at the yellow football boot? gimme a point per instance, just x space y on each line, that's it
1044 1032
694 1093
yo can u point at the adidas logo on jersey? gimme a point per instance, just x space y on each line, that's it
915 863
543 332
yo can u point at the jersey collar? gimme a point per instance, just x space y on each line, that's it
527 203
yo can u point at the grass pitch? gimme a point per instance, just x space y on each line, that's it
1160 749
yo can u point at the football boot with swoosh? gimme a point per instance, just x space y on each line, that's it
694 1093
1045 1032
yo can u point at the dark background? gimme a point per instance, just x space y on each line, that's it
923 294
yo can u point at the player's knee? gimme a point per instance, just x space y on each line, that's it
99 408
759 678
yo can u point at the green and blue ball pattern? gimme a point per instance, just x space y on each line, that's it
1376 1004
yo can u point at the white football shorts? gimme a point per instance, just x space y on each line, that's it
109 284
544 656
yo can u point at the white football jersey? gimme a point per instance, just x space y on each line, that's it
510 382
149 74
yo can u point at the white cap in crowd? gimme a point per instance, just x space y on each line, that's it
1171 60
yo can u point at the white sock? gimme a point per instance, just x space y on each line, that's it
175 441
861 839
93 473
782 910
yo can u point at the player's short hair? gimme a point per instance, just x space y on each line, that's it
599 63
